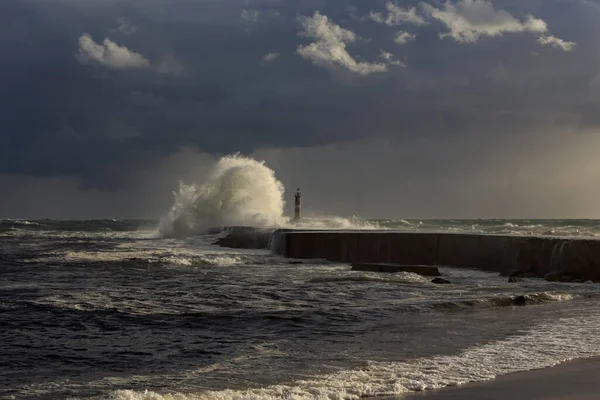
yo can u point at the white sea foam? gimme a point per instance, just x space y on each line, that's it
336 223
399 277
503 300
552 296
240 191
207 259
173 257
544 346
23 222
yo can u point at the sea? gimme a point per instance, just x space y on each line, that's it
113 309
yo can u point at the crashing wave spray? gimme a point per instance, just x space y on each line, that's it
238 191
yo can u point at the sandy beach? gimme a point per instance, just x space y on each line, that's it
574 380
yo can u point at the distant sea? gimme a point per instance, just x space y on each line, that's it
110 310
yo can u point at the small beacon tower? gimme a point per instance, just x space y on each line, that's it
298 205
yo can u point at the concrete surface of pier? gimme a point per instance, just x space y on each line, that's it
557 258
575 258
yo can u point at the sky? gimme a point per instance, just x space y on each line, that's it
375 108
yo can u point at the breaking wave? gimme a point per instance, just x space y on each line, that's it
503 301
239 191
175 259
400 277
338 223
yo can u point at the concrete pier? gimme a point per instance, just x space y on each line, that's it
245 237
533 255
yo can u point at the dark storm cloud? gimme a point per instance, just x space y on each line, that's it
193 73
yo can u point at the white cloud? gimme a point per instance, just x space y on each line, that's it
404 37
397 16
385 55
125 27
109 54
550 40
469 20
329 48
390 59
269 58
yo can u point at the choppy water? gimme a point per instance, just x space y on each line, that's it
550 227
105 309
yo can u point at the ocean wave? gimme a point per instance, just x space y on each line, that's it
20 222
577 228
504 301
241 191
543 346
153 258
55 305
238 191
399 277
208 259
334 223
219 259
572 231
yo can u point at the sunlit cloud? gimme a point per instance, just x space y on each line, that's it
329 48
109 54
469 20
404 37
397 15
553 41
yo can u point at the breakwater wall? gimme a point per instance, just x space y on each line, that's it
245 237
532 255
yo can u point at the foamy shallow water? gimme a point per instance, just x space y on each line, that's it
543 346
104 310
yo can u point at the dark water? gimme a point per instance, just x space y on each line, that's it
105 309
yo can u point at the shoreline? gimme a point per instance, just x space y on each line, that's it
571 380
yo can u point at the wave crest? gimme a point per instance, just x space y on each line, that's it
238 191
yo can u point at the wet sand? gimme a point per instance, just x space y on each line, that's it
574 380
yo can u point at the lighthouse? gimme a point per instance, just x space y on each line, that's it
298 205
